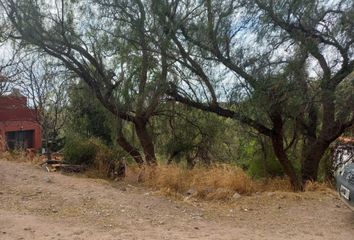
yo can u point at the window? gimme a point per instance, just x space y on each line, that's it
19 139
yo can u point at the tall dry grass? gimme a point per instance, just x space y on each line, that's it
21 156
217 182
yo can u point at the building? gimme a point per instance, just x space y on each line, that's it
19 128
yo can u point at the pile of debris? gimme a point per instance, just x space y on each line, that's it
56 163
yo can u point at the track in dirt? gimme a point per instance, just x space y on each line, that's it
35 204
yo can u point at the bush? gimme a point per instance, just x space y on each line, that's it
80 151
95 154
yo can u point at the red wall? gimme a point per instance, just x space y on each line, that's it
16 116
10 126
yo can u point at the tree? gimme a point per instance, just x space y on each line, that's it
9 67
111 52
46 84
281 69
189 134
266 50
87 117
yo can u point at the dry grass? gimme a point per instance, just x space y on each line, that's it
273 184
318 186
22 156
218 182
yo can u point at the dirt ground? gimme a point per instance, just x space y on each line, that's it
35 204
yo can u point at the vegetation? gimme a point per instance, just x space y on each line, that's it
267 87
93 153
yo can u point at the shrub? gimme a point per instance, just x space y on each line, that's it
92 152
80 151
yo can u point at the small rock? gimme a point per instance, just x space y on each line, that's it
191 192
338 206
1 193
3 232
54 210
196 228
27 229
123 189
236 195
47 179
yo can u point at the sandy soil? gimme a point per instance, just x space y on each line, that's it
35 204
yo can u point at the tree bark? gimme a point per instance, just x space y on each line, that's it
288 168
145 141
311 160
280 153
132 151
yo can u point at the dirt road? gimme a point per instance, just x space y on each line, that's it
35 204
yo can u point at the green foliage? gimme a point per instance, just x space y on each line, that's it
185 132
261 168
257 157
92 152
80 151
223 140
326 170
88 117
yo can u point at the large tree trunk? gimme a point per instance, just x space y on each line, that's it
288 168
311 161
280 153
132 151
145 141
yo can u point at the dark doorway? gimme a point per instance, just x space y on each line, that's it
19 139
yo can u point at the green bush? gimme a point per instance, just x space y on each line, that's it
93 153
261 163
80 151
261 168
88 151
